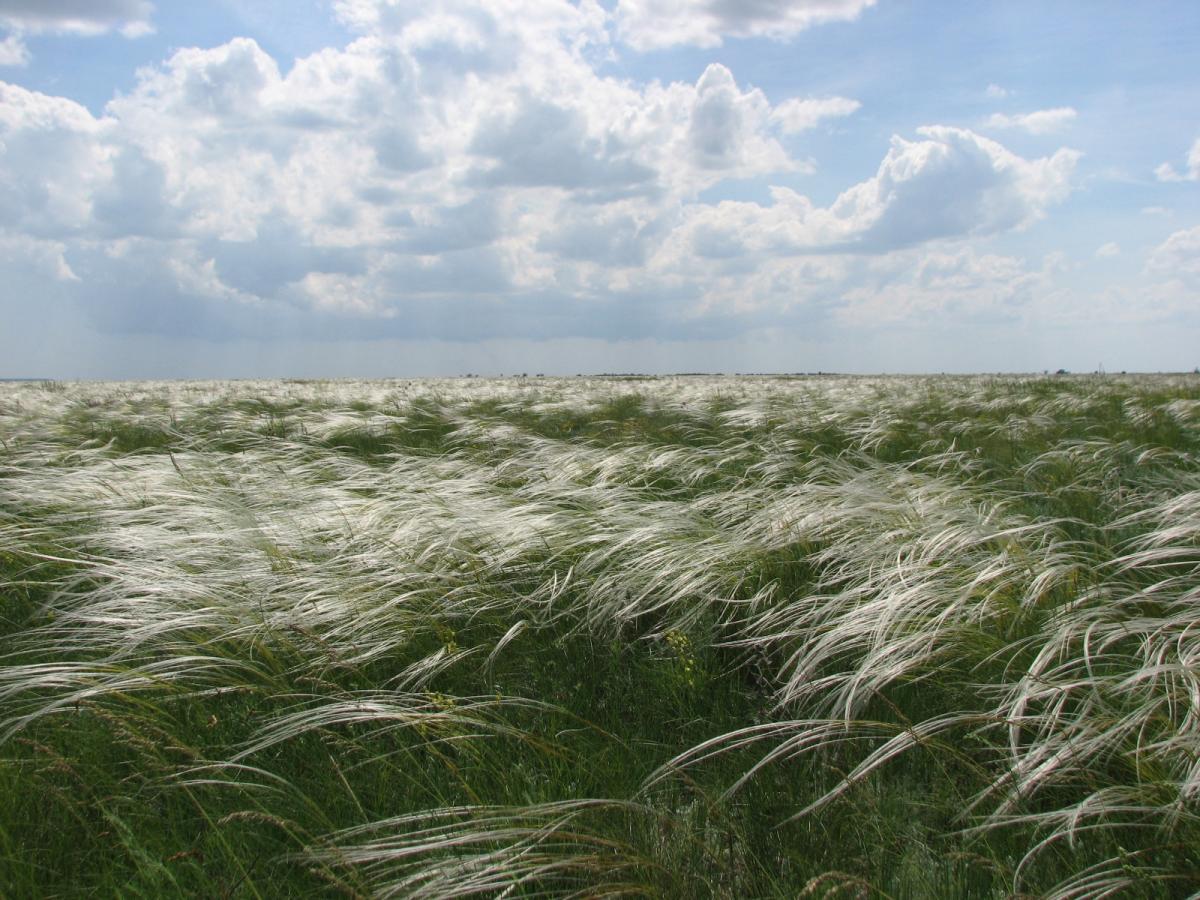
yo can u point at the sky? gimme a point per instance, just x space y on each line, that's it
374 188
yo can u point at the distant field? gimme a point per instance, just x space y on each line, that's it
678 637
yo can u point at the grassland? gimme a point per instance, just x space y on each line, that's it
910 637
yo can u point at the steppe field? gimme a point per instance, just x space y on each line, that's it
673 637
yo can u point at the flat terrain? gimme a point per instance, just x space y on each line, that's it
679 637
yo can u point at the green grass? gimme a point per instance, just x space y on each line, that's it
683 637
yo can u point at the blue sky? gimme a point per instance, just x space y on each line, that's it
373 187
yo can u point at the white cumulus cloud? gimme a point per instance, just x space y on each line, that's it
797 114
1166 172
1042 121
951 184
955 182
1178 256
13 51
53 160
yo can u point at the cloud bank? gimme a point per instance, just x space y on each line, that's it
465 170
131 18
655 24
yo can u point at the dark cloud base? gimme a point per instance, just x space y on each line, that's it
153 306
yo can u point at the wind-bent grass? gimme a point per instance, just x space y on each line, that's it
669 637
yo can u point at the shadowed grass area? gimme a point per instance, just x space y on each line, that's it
675 637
